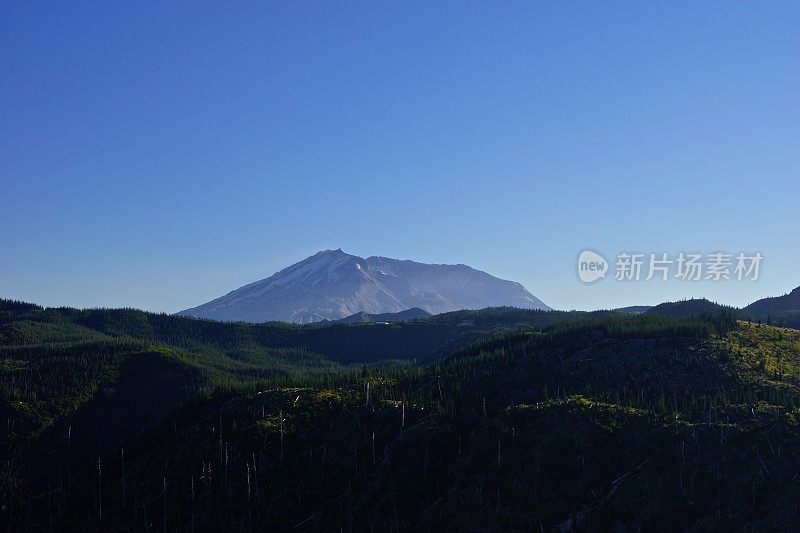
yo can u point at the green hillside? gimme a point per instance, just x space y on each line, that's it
122 420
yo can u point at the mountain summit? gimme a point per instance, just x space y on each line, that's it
332 284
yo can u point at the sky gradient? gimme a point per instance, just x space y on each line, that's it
157 155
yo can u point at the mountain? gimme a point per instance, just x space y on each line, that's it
777 304
333 284
401 316
694 306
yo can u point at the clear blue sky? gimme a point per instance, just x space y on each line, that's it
157 155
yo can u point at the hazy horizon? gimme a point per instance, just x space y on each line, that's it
598 307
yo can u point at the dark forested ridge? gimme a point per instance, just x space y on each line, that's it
401 316
495 419
777 304
783 310
694 306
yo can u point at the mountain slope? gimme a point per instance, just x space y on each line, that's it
442 288
333 284
778 304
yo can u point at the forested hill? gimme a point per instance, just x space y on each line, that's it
783 310
694 306
421 339
780 311
777 304
123 420
104 376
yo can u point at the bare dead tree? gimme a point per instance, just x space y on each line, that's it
99 492
124 499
